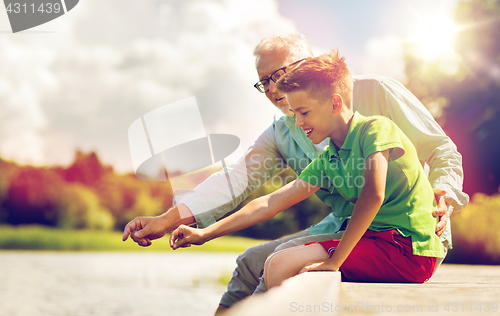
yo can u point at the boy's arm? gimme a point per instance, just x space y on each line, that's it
254 212
368 204
210 200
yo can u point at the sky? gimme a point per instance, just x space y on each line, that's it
79 81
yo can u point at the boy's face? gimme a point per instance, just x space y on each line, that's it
315 117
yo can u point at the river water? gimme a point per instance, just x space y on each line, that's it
112 283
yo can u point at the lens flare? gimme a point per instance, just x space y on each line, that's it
434 39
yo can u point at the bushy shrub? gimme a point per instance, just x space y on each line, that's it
476 234
83 210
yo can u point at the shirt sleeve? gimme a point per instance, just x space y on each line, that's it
380 134
211 200
433 146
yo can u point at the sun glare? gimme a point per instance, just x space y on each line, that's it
434 38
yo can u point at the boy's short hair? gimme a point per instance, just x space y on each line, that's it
320 77
294 43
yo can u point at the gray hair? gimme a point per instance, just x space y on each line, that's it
295 43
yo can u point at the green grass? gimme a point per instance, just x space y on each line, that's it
43 238
476 237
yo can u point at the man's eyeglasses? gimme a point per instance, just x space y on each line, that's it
263 85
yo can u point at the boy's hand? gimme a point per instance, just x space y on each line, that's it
442 212
319 266
185 236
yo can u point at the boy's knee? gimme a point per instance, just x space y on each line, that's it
269 261
272 266
274 262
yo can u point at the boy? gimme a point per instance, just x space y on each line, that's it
390 237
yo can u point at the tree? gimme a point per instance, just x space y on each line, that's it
87 169
34 197
469 97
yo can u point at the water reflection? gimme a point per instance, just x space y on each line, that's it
45 283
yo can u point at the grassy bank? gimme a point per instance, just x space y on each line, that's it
43 238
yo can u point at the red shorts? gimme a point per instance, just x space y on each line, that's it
384 257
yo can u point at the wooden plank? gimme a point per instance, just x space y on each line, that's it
311 293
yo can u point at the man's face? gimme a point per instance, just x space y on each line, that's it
315 117
268 63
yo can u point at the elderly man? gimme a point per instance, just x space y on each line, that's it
283 141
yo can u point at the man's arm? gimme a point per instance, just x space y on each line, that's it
433 147
208 202
367 206
379 95
388 97
257 211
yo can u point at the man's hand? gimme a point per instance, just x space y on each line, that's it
144 229
442 212
185 236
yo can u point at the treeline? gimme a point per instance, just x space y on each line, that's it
87 194
90 195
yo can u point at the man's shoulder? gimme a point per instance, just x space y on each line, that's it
371 81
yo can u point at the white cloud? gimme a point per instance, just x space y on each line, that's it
384 56
109 62
21 114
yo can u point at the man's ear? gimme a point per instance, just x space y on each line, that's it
337 103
